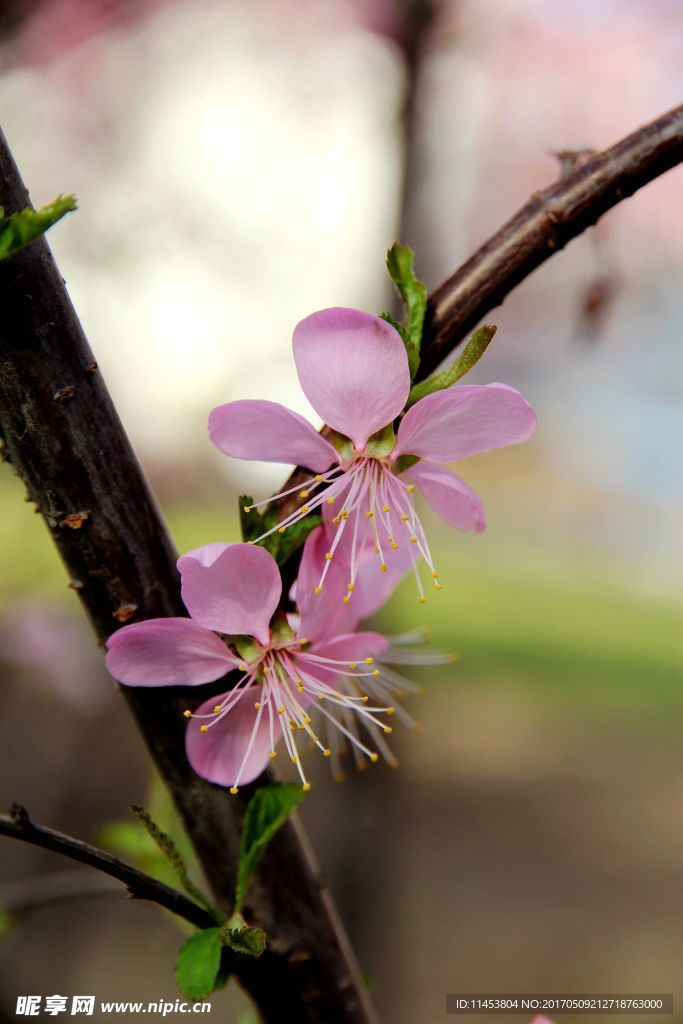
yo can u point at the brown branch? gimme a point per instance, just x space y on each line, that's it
63 437
17 825
543 226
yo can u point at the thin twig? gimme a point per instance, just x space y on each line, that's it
543 226
17 825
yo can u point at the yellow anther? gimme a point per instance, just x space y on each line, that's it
319 479
327 752
304 509
350 586
437 586
339 777
346 599
390 539
217 710
257 705
188 714
272 754
331 501
318 590
376 673
388 729
369 661
374 757
303 640
344 514
393 545
328 555
234 790
306 786
203 728
281 529
304 494
352 664
386 508
422 600
281 710
392 762
246 508
321 696
390 710
370 515
435 574
307 719
295 760
336 520
242 667
383 567
410 488
413 539
300 687
404 518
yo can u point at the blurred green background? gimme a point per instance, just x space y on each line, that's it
238 166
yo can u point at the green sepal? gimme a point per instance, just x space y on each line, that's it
20 228
342 444
242 938
414 295
281 546
404 462
247 648
381 443
280 630
198 964
469 357
266 812
174 858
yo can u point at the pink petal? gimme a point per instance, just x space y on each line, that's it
269 432
319 612
351 646
449 496
167 652
463 421
217 754
234 590
353 369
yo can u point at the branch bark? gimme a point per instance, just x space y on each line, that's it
63 437
17 825
543 226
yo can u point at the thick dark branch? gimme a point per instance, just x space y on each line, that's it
140 886
63 437
544 225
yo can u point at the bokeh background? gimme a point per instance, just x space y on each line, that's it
238 165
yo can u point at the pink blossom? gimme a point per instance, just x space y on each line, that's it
353 368
313 662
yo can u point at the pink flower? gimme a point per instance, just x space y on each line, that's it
353 368
291 667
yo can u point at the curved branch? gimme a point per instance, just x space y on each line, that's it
18 825
543 226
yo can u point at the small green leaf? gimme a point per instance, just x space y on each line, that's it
469 357
21 228
280 545
238 936
170 851
414 295
267 810
198 963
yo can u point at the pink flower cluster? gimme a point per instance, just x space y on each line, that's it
304 669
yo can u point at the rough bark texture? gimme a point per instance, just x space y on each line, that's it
62 435
544 225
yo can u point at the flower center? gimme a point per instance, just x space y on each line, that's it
376 513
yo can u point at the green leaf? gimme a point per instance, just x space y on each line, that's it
267 810
280 545
469 357
198 963
238 936
21 228
170 851
414 295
